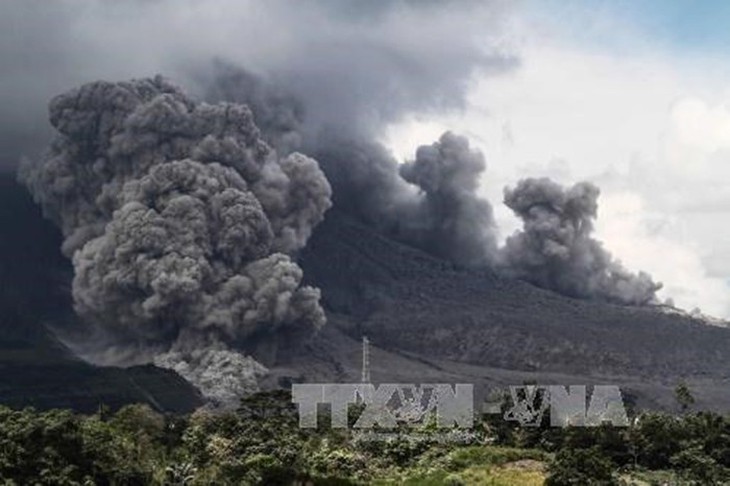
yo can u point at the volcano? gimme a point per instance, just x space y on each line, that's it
428 320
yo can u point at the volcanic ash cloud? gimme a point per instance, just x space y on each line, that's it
433 202
178 218
555 249
455 222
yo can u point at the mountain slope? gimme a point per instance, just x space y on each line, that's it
475 324
428 320
35 368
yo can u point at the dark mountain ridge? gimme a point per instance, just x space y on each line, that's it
421 304
429 319
36 369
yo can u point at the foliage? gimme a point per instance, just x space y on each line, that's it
262 443
584 467
684 396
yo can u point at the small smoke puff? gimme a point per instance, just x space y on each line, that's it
453 221
447 166
555 249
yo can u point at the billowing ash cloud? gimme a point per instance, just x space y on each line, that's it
555 249
178 217
335 92
328 86
458 223
430 203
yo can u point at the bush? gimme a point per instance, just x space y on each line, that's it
581 467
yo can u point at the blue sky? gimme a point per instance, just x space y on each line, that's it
677 25
685 24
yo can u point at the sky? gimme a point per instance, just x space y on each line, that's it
633 95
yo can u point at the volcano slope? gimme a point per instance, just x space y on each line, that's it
429 320
35 368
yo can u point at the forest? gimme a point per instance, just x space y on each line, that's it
261 443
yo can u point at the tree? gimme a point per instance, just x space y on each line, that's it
694 465
581 467
684 396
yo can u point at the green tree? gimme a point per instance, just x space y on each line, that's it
696 466
581 467
684 396
655 438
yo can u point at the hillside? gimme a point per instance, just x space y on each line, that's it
431 320
35 368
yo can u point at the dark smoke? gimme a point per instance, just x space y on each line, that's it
335 95
174 212
456 223
180 215
328 85
336 74
354 61
430 203
555 249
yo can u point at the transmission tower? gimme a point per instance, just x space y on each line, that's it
365 360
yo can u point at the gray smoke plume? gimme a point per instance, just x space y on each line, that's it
555 249
337 91
430 203
328 86
354 61
175 213
459 224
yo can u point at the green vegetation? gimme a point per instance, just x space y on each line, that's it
261 443
684 396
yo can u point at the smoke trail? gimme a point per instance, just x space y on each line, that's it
174 212
555 249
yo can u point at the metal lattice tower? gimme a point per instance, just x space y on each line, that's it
365 360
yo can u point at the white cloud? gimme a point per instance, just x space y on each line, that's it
653 132
652 242
696 125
